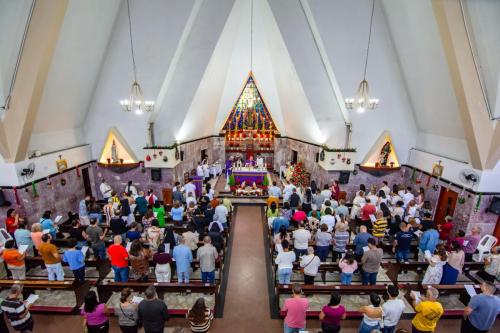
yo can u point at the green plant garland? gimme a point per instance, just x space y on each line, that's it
34 190
478 202
338 150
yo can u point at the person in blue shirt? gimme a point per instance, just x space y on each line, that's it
133 233
48 224
183 257
402 242
23 237
428 241
360 241
278 222
141 204
482 310
76 260
177 213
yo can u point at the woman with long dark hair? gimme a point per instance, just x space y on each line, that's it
139 260
95 314
200 316
273 211
454 265
307 201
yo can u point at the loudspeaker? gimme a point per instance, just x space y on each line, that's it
494 206
156 175
344 177
3 202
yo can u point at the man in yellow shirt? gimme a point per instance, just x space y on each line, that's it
428 311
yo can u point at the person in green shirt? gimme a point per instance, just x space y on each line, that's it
159 211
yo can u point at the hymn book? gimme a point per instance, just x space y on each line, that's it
32 299
22 248
84 249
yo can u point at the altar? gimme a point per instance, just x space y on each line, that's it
249 175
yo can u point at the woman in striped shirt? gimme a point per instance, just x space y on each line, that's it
200 317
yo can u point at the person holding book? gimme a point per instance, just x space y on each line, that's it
428 311
14 260
76 260
51 258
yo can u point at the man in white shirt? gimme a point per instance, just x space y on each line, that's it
301 239
105 190
326 193
260 162
221 213
407 196
392 309
199 170
328 219
190 188
131 190
287 191
385 188
274 191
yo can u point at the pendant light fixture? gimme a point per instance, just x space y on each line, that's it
136 101
362 101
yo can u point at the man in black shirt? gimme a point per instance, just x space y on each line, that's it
118 225
294 199
153 313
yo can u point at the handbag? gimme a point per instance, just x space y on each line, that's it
302 268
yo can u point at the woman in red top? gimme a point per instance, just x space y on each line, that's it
445 229
12 221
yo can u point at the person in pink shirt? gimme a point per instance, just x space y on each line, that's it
471 242
347 265
295 308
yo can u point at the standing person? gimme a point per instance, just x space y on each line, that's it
177 193
105 190
310 265
445 229
328 219
402 242
428 241
482 310
492 266
453 268
183 258
23 237
153 313
95 314
77 234
361 241
295 309
119 259
14 260
159 212
48 224
76 260
117 225
207 255
471 242
301 238
130 189
83 212
274 191
428 311
36 235
200 317
331 314
323 242
17 311
127 312
177 213
342 209
392 309
368 209
51 259
221 213
347 266
139 260
340 241
434 271
141 204
95 235
379 226
371 263
12 221
162 260
372 315
285 260
335 190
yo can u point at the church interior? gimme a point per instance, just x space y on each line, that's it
249 166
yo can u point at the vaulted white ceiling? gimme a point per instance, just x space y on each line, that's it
193 57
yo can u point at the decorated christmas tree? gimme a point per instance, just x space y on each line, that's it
299 175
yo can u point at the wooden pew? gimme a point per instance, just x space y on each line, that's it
30 286
102 266
105 290
343 290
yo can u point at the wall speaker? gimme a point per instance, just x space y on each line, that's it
156 175
344 177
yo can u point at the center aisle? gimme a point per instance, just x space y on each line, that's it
246 306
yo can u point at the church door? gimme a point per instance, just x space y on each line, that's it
86 181
446 205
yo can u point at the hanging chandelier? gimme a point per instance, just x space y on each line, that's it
136 101
362 100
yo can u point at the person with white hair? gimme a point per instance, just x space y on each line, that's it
482 310
428 311
471 242
17 311
310 263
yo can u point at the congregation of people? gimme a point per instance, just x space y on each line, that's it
315 224
129 231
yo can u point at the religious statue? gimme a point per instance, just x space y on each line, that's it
250 118
384 154
114 153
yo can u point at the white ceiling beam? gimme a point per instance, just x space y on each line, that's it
175 60
324 59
